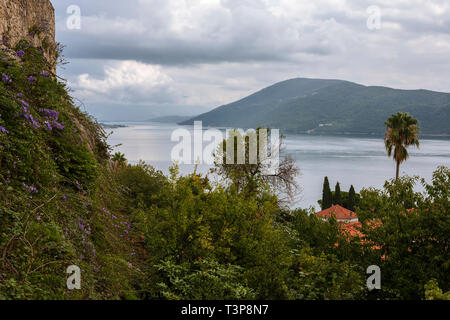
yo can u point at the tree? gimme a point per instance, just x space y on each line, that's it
351 199
119 160
194 221
337 199
253 175
327 198
409 245
402 132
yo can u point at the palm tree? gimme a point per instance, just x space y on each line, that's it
119 160
402 132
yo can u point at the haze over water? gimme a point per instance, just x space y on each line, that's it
359 161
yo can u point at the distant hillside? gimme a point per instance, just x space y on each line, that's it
170 119
331 106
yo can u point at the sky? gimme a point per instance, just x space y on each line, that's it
137 59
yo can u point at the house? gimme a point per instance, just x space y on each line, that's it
342 215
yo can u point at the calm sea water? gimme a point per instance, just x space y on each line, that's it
349 160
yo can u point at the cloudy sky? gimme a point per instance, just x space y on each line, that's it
139 58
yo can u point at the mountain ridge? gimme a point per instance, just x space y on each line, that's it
323 106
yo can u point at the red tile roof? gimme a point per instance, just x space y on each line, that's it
339 212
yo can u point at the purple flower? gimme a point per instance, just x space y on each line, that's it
38 218
5 78
34 122
44 74
31 79
20 53
52 114
24 103
30 189
49 126
19 95
3 130
64 197
58 126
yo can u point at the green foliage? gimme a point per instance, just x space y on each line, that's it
346 201
193 221
253 176
54 188
142 184
337 198
323 277
412 243
202 280
351 202
312 232
433 292
402 132
119 158
327 197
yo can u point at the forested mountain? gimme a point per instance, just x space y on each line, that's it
331 106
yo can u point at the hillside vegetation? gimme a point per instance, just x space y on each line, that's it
333 107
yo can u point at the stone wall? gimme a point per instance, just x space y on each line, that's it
17 17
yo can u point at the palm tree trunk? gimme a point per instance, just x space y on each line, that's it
398 171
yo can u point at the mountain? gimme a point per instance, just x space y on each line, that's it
331 106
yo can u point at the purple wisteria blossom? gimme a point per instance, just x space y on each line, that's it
25 104
57 125
50 113
28 116
3 130
52 116
48 125
30 189
6 78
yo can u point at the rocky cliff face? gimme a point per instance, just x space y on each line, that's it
19 17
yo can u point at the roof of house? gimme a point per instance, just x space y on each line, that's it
339 212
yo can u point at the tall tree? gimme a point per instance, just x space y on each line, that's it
351 199
253 175
327 197
337 199
402 131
